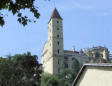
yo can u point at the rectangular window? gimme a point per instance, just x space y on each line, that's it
73 58
58 61
58 51
57 28
65 58
58 42
58 36
65 65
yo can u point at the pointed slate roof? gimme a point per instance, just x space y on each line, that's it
55 14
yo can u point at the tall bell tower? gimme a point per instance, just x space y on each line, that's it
53 52
55 37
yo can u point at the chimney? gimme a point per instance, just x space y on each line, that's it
73 48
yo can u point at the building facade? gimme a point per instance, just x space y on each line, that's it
94 75
98 54
54 58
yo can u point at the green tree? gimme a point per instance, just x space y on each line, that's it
20 70
50 80
76 68
29 64
18 7
67 76
9 74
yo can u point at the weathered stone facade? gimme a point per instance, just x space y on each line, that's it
98 54
52 57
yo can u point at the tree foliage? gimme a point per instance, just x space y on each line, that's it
20 70
15 7
67 76
50 80
9 74
76 68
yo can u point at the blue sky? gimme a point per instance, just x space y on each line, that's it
86 23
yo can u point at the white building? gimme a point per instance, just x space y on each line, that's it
94 75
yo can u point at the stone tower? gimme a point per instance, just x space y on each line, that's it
53 52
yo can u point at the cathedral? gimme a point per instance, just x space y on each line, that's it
55 59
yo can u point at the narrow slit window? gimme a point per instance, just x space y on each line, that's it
58 36
58 42
58 51
58 61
